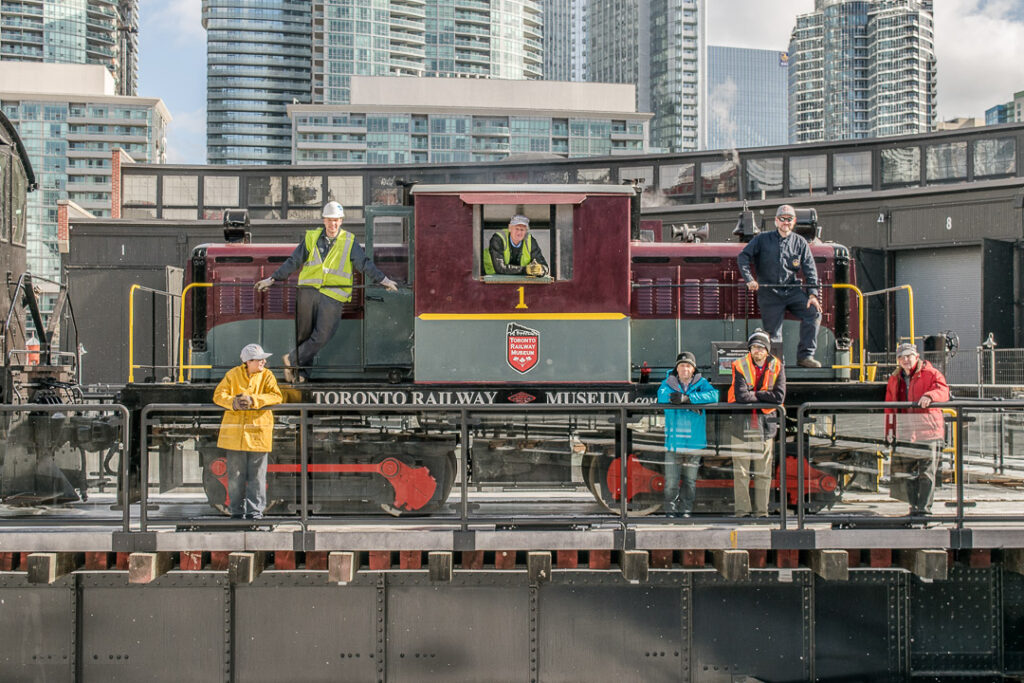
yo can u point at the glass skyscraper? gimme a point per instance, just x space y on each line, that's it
258 61
74 32
70 139
266 54
747 105
862 68
657 45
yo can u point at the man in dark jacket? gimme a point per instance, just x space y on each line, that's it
685 432
778 256
915 434
758 377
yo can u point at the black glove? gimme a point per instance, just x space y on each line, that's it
677 398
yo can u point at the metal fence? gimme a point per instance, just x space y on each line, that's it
977 373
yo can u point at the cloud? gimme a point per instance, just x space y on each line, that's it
753 23
722 103
178 22
979 47
979 44
186 138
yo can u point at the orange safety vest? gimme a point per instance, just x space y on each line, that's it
745 366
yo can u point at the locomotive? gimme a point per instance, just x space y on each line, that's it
613 309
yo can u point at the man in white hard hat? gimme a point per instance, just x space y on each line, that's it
514 251
327 257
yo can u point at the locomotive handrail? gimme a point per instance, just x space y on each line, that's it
132 367
860 328
910 302
181 328
181 334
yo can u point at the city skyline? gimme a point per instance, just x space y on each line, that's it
979 46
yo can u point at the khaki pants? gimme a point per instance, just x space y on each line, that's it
760 466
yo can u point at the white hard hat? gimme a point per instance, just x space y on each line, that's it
333 210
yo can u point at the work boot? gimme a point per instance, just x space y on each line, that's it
808 362
289 373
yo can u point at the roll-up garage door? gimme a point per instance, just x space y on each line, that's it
947 292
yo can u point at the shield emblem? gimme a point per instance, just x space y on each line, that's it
521 345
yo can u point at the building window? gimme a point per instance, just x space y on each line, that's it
305 190
901 166
220 191
139 190
995 157
181 190
180 214
807 174
676 183
946 162
593 175
851 171
764 178
719 181
346 190
264 191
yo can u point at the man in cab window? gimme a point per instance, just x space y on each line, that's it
514 251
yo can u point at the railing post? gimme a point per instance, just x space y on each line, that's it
143 470
800 470
304 469
126 447
464 465
783 475
959 453
623 483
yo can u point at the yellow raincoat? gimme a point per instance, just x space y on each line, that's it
247 430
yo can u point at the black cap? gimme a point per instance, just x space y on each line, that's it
759 337
687 357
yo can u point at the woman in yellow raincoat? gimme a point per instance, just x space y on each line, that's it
246 431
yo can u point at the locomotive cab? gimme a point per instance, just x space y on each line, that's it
571 326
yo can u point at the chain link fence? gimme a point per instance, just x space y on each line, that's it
972 373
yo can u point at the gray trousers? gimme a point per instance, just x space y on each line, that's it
317 317
775 303
913 474
760 466
247 483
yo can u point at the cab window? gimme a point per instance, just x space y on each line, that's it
550 228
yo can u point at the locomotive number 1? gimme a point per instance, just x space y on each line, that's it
522 297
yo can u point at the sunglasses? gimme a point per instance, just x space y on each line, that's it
785 219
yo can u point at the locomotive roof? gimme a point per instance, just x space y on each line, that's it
522 189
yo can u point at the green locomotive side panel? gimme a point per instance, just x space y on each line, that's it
525 351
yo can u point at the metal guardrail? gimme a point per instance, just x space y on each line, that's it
986 436
622 416
123 444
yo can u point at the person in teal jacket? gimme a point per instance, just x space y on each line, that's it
685 432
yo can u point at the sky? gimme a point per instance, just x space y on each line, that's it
979 47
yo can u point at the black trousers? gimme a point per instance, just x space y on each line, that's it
316 319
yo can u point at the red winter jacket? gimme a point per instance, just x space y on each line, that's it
916 424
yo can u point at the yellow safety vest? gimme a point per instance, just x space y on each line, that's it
333 275
524 255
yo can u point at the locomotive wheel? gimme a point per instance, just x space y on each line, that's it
442 469
642 504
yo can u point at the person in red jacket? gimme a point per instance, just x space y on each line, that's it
916 433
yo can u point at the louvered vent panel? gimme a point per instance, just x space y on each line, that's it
645 296
691 297
664 295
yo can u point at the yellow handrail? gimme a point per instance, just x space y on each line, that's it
860 319
132 367
131 332
910 302
181 334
